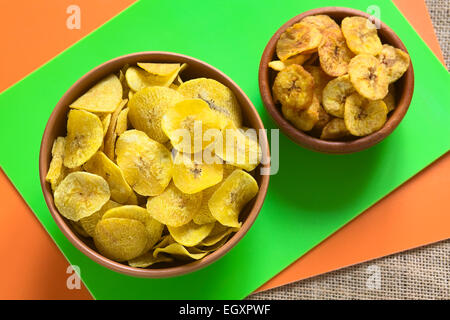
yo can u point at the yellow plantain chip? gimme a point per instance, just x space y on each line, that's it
146 164
106 120
239 147
147 108
138 78
154 228
203 214
230 198
321 79
368 77
81 194
363 116
111 134
217 234
334 95
165 241
324 118
147 260
181 252
300 38
190 234
277 65
191 125
321 22
173 207
159 69
89 223
305 119
361 35
334 55
102 97
294 87
84 137
191 175
130 94
120 239
122 122
395 61
55 171
390 100
335 130
133 199
219 98
215 246
78 229
101 165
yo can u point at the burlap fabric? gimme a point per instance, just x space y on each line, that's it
422 273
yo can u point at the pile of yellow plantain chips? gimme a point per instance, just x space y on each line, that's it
336 82
125 176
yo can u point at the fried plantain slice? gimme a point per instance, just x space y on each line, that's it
159 69
368 77
294 87
335 130
321 79
146 164
306 119
111 134
322 22
147 108
190 234
363 116
334 55
390 99
89 223
334 95
81 194
395 61
219 98
173 207
176 249
84 137
147 259
361 35
122 121
300 38
55 170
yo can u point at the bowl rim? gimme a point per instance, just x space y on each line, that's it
316 144
142 272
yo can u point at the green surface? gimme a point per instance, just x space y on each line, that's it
313 194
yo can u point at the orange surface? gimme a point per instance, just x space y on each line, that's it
31 264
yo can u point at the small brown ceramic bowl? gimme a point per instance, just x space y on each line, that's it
404 88
56 126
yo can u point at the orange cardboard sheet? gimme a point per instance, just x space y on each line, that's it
33 267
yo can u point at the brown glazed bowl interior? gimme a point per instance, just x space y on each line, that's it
56 126
404 88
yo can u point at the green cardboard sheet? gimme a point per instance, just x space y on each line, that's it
313 194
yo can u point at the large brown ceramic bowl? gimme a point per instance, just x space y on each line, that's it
56 126
404 86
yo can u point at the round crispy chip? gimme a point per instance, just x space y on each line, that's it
189 123
84 137
239 147
363 116
230 198
102 97
294 87
89 223
219 98
306 119
138 79
122 121
334 95
321 79
335 130
192 175
147 260
111 134
147 108
81 194
368 77
334 55
173 207
217 234
106 120
120 239
101 165
300 38
395 61
361 35
190 234
321 22
55 169
390 99
180 252
159 69
146 164
154 228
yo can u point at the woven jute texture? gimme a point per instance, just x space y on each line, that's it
422 273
